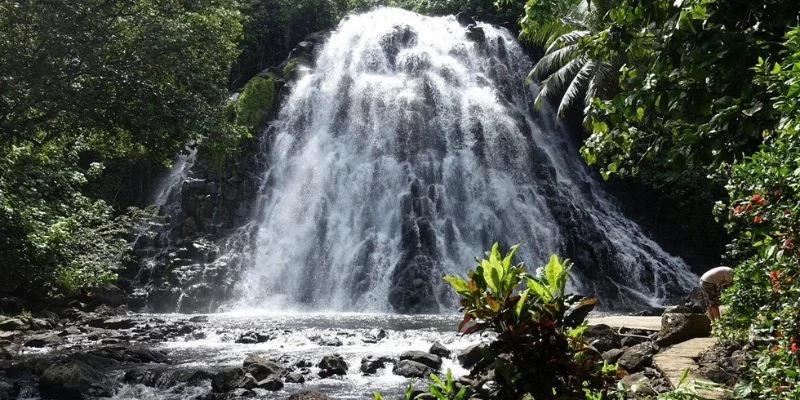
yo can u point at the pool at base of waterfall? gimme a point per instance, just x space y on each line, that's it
298 342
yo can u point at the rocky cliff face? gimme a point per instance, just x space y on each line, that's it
191 258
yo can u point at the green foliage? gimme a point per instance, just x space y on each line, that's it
273 27
539 350
56 238
764 214
89 83
254 103
446 389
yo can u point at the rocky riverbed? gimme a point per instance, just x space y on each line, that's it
110 352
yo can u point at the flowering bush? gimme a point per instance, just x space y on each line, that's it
764 213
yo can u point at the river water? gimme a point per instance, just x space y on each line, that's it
303 337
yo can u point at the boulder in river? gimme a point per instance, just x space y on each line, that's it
261 368
412 369
439 350
431 360
371 364
13 324
308 395
74 380
471 355
332 365
43 340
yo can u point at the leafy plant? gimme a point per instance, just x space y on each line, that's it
538 352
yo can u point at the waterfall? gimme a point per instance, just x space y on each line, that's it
406 151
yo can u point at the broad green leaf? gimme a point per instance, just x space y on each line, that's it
489 275
523 297
460 285
539 290
552 272
510 256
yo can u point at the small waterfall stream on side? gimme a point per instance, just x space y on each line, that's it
405 152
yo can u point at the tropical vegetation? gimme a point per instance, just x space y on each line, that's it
703 103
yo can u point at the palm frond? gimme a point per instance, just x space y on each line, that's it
556 82
551 62
578 85
566 39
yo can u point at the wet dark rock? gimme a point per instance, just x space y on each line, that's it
229 379
602 337
199 318
439 350
242 393
679 327
374 336
8 391
308 396
74 380
613 355
247 338
636 358
632 340
166 378
475 33
261 368
113 323
13 324
108 294
332 365
43 340
295 377
430 360
129 355
11 305
639 380
272 383
464 19
471 355
35 366
70 331
412 369
371 364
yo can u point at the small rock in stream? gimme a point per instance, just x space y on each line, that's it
309 396
332 365
431 360
439 350
412 369
199 318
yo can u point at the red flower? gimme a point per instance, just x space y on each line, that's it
737 210
748 207
795 348
774 277
758 219
788 244
758 199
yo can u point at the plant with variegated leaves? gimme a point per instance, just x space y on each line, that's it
538 350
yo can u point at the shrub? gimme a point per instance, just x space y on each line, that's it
539 350
764 213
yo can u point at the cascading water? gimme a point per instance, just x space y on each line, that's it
406 151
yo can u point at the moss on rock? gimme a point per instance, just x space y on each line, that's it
255 103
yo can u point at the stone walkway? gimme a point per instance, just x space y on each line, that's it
675 359
630 322
678 358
